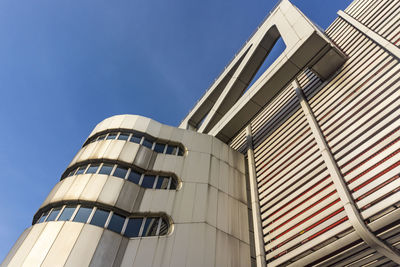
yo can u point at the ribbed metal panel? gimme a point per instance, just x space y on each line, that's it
358 111
383 17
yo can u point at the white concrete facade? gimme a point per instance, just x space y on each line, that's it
208 210
300 170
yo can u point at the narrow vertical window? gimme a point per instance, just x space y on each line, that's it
81 170
67 213
180 151
162 182
43 217
136 138
147 143
171 150
101 137
120 172
53 214
159 148
123 136
150 226
100 217
112 136
116 223
164 227
92 168
106 169
83 214
134 177
148 181
133 227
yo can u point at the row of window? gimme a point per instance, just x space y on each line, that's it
137 226
144 180
139 138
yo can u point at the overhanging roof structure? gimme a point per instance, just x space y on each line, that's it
224 109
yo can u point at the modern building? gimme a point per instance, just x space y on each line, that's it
300 167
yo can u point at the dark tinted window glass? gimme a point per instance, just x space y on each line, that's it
180 151
72 172
171 149
112 136
134 177
53 214
173 184
164 227
147 143
81 170
133 227
150 226
43 217
162 182
106 169
92 168
67 213
120 172
148 181
99 217
83 214
159 148
136 138
101 137
116 223
123 136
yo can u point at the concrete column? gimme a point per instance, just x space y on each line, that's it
255 204
346 198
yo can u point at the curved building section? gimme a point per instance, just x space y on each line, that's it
140 193
131 225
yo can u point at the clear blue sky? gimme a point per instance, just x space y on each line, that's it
67 65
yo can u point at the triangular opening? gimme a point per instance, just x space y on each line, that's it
277 49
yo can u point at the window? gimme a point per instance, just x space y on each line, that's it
53 214
150 226
101 137
136 138
112 136
72 172
106 169
81 170
67 213
134 177
162 182
159 148
83 214
116 223
100 217
148 181
174 184
180 151
163 227
93 168
133 227
147 143
139 225
123 136
43 217
171 149
120 172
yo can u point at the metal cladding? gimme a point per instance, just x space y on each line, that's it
302 169
206 210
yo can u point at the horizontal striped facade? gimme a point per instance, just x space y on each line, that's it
358 112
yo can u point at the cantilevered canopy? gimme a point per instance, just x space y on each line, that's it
224 109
